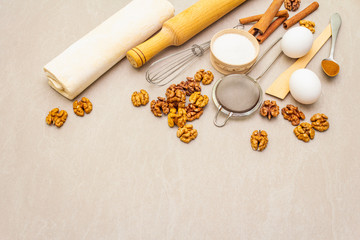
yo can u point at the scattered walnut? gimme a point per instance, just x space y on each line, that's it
176 96
174 104
179 119
190 86
87 105
308 24
205 77
293 114
259 140
56 117
269 109
159 106
208 78
199 100
60 119
140 98
171 117
78 110
193 112
199 75
48 119
304 132
82 106
292 5
319 122
187 133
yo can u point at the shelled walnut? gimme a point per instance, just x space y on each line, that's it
205 77
181 119
308 24
87 105
199 100
304 132
269 109
83 106
193 112
187 133
319 122
159 106
177 118
56 117
293 114
175 105
208 78
171 117
176 96
190 86
199 75
292 5
259 140
140 98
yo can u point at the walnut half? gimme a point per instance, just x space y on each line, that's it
319 122
292 5
293 114
82 106
193 112
190 86
259 140
175 96
56 117
269 109
205 77
199 100
159 106
187 133
304 132
177 118
308 24
140 98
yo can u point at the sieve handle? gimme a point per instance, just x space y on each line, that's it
216 116
262 55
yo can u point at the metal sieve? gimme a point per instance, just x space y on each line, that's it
239 95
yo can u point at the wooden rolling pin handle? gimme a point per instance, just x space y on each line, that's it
142 53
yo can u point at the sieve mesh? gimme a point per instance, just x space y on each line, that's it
238 93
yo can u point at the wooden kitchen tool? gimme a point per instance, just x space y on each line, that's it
181 28
280 87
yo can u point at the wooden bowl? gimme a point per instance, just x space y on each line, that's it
226 68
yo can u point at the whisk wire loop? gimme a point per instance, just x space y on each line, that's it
168 68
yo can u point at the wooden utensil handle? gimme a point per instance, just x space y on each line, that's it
142 53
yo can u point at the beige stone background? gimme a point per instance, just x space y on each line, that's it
121 173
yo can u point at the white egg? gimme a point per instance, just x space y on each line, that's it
305 86
297 42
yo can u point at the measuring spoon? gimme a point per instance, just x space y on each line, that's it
329 65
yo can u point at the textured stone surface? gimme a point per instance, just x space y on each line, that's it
121 173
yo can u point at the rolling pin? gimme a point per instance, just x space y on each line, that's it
181 28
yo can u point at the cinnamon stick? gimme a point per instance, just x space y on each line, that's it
255 18
252 31
268 16
273 26
301 15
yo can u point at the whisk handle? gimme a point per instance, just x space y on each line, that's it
142 53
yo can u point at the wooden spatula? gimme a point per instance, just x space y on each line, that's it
280 87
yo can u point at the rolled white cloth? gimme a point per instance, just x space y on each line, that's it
86 60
